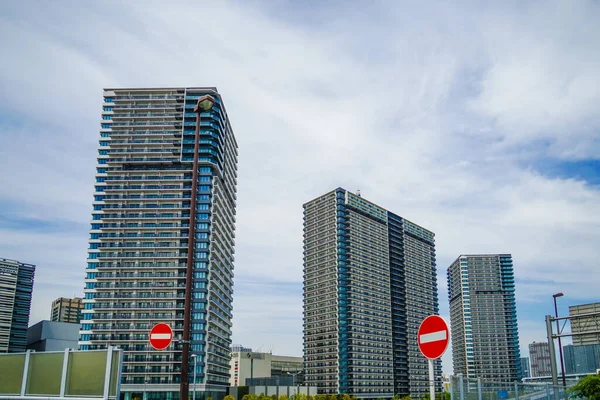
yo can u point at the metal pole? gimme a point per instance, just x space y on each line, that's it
516 390
562 365
184 385
431 380
552 350
479 392
451 388
195 364
462 387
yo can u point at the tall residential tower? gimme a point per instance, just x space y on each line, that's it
16 288
369 281
140 232
483 315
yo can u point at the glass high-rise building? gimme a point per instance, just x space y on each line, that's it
483 317
525 369
16 288
582 359
140 231
369 281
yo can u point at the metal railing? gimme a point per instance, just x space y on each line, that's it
462 388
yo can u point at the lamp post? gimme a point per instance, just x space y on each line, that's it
145 396
562 367
195 357
294 380
205 103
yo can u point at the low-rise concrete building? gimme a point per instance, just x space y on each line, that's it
249 364
52 336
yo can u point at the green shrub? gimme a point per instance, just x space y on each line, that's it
587 388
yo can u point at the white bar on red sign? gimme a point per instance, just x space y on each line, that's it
433 337
160 336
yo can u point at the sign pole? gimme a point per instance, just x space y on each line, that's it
433 337
431 380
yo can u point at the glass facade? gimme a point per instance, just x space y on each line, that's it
525 368
140 231
369 280
483 316
582 359
16 287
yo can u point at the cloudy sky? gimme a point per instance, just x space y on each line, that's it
476 120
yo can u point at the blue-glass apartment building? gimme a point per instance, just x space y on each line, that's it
369 281
483 317
16 288
139 235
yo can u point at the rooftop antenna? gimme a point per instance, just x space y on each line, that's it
358 192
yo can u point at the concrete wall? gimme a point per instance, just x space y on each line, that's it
242 365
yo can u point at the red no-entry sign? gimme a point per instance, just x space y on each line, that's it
433 336
161 336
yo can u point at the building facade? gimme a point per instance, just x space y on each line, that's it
369 281
140 231
589 323
16 288
539 356
525 368
52 336
284 370
483 315
66 310
581 359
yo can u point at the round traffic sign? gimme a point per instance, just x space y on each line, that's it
161 336
433 336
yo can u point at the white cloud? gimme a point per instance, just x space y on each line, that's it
432 113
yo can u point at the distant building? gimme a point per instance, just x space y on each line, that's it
446 383
236 348
52 336
245 365
16 287
581 359
483 315
539 356
585 324
525 368
66 310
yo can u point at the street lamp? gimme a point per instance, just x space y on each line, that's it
205 103
562 367
294 380
195 357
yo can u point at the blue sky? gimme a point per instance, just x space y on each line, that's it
478 121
